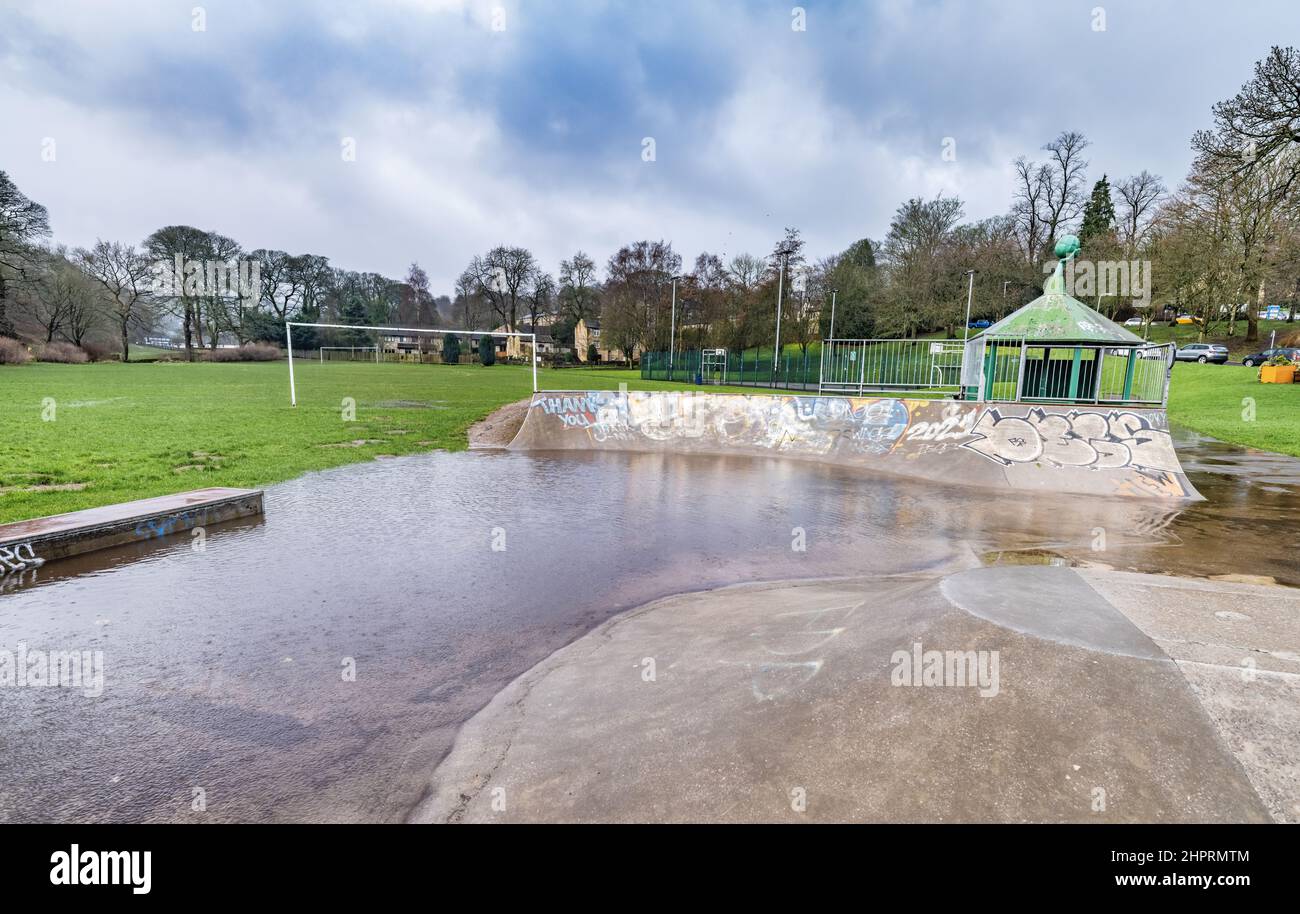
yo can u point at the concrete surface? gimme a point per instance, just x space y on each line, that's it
500 427
778 703
1238 645
1087 450
30 543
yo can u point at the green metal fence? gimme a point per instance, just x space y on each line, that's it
992 369
792 371
858 366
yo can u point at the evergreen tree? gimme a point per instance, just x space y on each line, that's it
487 350
354 311
451 349
1098 216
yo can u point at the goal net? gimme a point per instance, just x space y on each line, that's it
320 347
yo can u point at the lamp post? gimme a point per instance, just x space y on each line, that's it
834 292
970 290
784 254
672 330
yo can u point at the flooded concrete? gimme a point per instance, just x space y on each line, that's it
225 668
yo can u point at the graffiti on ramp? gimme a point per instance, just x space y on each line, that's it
1114 440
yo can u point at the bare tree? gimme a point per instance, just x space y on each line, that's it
64 295
281 291
578 292
504 277
915 248
1050 195
1065 187
1259 127
1139 198
540 298
125 274
1031 191
639 279
23 223
471 307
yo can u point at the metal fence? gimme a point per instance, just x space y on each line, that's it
1001 369
857 366
983 368
793 371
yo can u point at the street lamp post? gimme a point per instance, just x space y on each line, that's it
970 289
834 292
672 330
780 291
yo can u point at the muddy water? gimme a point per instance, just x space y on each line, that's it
224 668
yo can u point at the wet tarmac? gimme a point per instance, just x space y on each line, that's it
226 668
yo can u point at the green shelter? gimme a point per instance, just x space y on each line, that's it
1058 350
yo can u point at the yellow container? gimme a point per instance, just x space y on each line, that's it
1277 374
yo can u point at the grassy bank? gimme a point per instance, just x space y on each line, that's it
1212 399
119 432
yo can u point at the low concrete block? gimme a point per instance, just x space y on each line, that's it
30 543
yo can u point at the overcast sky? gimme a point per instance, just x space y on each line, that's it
469 134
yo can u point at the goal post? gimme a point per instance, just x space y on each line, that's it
529 338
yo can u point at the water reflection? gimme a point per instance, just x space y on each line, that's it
225 667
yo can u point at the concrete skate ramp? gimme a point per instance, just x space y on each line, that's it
1085 450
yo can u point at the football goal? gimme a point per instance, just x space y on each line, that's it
427 345
349 353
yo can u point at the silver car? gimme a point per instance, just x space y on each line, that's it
1203 353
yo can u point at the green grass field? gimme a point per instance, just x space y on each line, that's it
119 432
1213 399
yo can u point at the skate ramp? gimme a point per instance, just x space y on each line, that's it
1085 450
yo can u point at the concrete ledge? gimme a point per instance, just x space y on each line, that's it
29 543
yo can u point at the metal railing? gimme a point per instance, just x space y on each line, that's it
1018 370
995 369
858 366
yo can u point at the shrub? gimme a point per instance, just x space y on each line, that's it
1279 360
593 354
64 353
249 352
487 350
13 352
98 352
451 350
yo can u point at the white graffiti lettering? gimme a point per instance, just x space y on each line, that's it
1075 439
18 558
956 423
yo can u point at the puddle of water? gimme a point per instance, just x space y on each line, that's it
1024 557
225 668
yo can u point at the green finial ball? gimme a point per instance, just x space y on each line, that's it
1067 247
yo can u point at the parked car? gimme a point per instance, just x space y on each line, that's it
1202 352
980 324
1133 322
1259 358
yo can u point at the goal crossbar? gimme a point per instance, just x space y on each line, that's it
288 335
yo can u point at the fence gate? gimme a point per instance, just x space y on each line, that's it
713 366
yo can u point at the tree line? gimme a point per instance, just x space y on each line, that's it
1222 244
